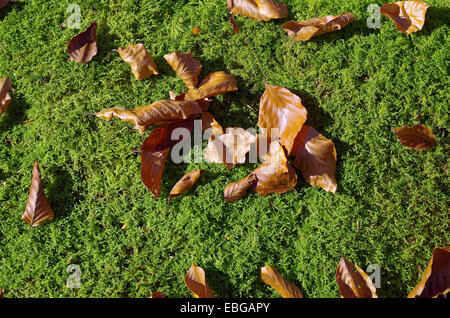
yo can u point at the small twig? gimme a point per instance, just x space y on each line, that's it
89 114
270 201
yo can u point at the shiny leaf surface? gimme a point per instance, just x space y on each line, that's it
408 16
140 61
83 47
237 190
185 183
353 284
186 66
5 97
418 137
195 280
214 84
270 275
259 10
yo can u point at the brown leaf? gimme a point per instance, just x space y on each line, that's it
141 62
214 84
37 210
230 148
436 277
159 112
2 291
155 150
4 3
187 67
353 284
305 30
315 157
418 137
236 27
283 111
237 190
209 124
185 183
158 294
259 10
408 16
83 47
5 98
270 275
195 280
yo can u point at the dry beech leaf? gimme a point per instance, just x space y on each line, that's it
353 284
2 291
315 157
436 277
230 148
4 3
38 209
185 183
155 150
195 280
283 111
210 125
83 47
159 112
418 137
270 275
305 30
141 62
259 10
158 294
187 67
236 27
5 98
409 16
237 190
214 84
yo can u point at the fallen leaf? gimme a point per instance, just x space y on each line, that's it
158 294
83 47
270 275
281 111
140 61
195 280
408 16
155 150
38 209
4 3
418 137
305 30
210 125
436 277
185 183
315 157
236 27
214 84
353 284
187 67
237 190
259 10
5 98
2 291
159 112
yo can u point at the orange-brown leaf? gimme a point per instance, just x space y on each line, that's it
270 275
214 84
83 47
237 190
195 280
210 125
436 277
353 284
187 67
305 30
315 157
140 61
408 16
259 10
185 183
236 27
418 137
38 209
283 111
159 112
158 294
5 97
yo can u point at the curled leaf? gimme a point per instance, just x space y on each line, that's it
141 62
408 16
38 209
210 124
270 275
185 183
83 47
237 190
305 30
259 10
158 294
187 67
418 137
195 280
315 157
5 97
155 150
436 277
236 27
281 112
353 284
159 112
214 84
